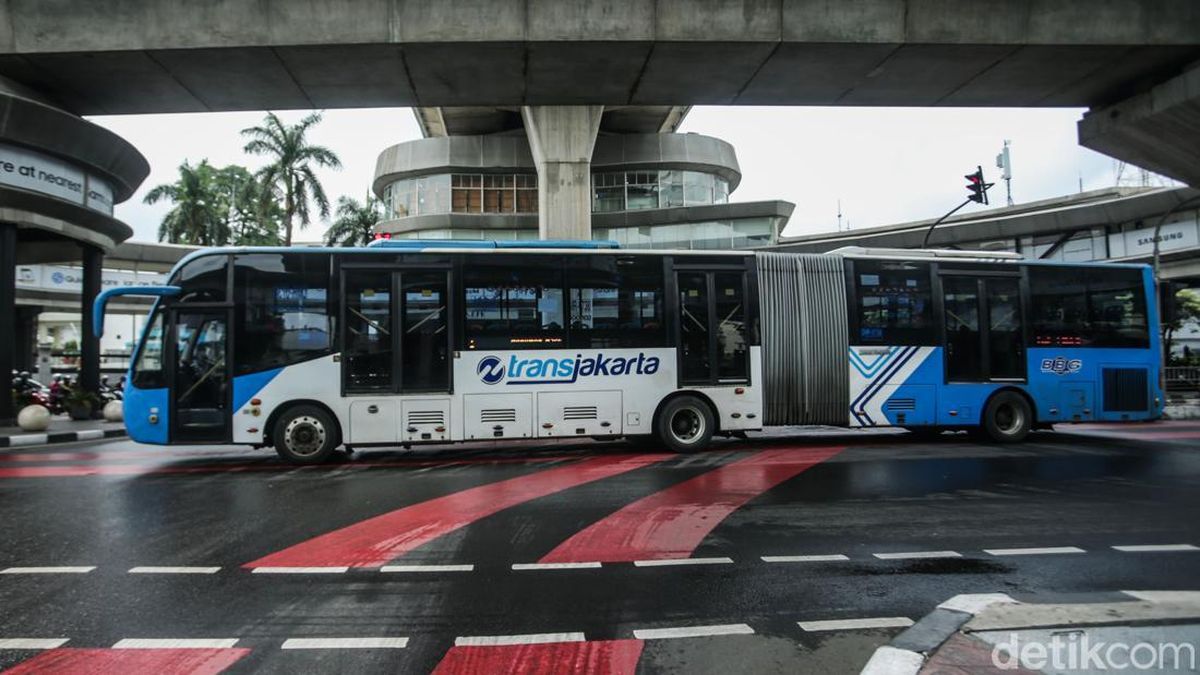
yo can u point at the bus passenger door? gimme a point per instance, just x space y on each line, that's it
985 338
713 344
199 370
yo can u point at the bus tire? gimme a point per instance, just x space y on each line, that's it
685 424
1007 418
305 434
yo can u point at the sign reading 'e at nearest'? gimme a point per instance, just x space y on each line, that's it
37 172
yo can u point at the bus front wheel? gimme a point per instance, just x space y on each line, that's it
1007 418
685 424
305 434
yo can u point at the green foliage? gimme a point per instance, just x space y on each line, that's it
355 224
1187 310
289 178
216 207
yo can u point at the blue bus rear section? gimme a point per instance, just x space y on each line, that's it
1063 384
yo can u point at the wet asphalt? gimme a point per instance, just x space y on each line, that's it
901 524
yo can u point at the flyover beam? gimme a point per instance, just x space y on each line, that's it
1157 130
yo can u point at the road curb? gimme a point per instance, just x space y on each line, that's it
25 440
908 650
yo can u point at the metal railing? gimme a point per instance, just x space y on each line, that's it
1182 378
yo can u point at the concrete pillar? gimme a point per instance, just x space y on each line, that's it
1157 130
561 138
8 310
25 338
89 344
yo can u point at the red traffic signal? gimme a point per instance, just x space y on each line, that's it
976 187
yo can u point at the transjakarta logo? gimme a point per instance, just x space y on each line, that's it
1061 366
534 370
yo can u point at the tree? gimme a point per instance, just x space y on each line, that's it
355 224
290 174
252 216
195 218
1187 309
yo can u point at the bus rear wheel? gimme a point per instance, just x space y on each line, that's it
685 424
305 434
1007 418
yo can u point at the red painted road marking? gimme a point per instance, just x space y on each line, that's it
672 523
68 661
601 657
376 541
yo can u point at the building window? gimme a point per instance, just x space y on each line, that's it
466 194
894 304
527 193
608 192
641 190
511 304
697 188
670 189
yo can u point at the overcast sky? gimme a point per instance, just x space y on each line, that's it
886 165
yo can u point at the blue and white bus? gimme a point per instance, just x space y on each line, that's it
406 342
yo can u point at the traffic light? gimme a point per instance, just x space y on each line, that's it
977 188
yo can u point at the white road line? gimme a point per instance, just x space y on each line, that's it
532 639
692 631
1051 550
32 643
803 558
175 643
427 568
89 434
1155 548
1190 597
47 570
856 624
346 643
556 566
299 570
666 562
151 569
918 554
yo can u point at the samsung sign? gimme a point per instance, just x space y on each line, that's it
37 172
562 370
1172 237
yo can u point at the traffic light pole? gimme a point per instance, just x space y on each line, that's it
925 242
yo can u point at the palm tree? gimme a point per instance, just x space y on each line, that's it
195 218
355 223
290 173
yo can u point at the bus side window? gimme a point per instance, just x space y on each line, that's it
1073 307
615 301
895 303
514 302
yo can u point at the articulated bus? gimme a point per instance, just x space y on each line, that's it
411 342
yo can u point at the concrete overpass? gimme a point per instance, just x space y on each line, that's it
1128 60
1116 224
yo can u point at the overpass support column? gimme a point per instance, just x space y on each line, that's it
561 139
8 311
89 345
1157 130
